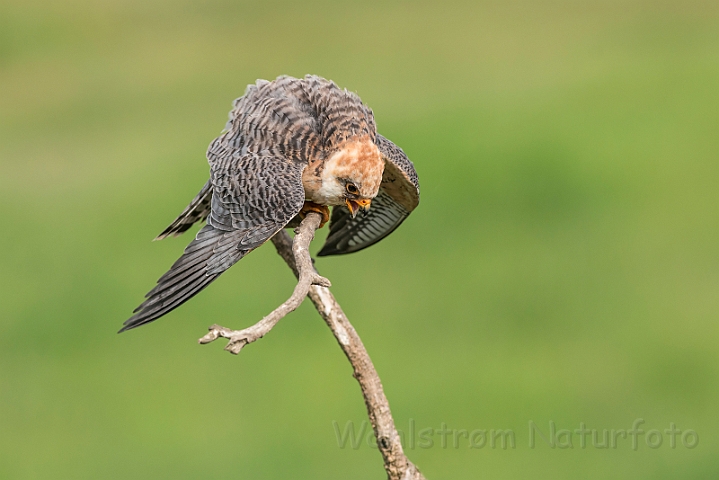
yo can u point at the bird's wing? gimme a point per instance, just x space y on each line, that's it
253 197
398 196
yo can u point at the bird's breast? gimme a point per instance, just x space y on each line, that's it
318 190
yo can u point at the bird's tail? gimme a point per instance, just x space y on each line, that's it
196 211
191 273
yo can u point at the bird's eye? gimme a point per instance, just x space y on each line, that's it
352 188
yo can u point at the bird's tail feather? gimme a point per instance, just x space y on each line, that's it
187 277
196 211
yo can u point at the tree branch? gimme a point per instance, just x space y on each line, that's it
296 255
308 277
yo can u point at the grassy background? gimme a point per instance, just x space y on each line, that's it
563 264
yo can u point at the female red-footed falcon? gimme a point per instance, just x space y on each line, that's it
290 146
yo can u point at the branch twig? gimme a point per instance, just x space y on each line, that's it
308 277
296 255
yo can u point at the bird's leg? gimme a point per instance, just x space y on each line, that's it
323 210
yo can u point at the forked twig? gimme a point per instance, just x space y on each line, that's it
308 277
296 255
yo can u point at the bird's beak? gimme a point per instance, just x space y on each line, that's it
355 206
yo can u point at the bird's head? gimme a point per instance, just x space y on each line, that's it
352 175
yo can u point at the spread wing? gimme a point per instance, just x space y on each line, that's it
253 197
398 196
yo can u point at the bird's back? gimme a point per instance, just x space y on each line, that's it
299 119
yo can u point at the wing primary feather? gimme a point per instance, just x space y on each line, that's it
171 292
196 211
348 235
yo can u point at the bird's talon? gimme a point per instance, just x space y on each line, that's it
314 207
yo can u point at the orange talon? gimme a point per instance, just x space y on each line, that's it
317 208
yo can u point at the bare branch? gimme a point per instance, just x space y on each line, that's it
396 464
307 278
310 283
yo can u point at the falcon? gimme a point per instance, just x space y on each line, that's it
291 146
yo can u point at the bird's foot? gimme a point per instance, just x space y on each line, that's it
323 210
237 338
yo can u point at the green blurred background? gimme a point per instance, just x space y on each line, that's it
563 264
